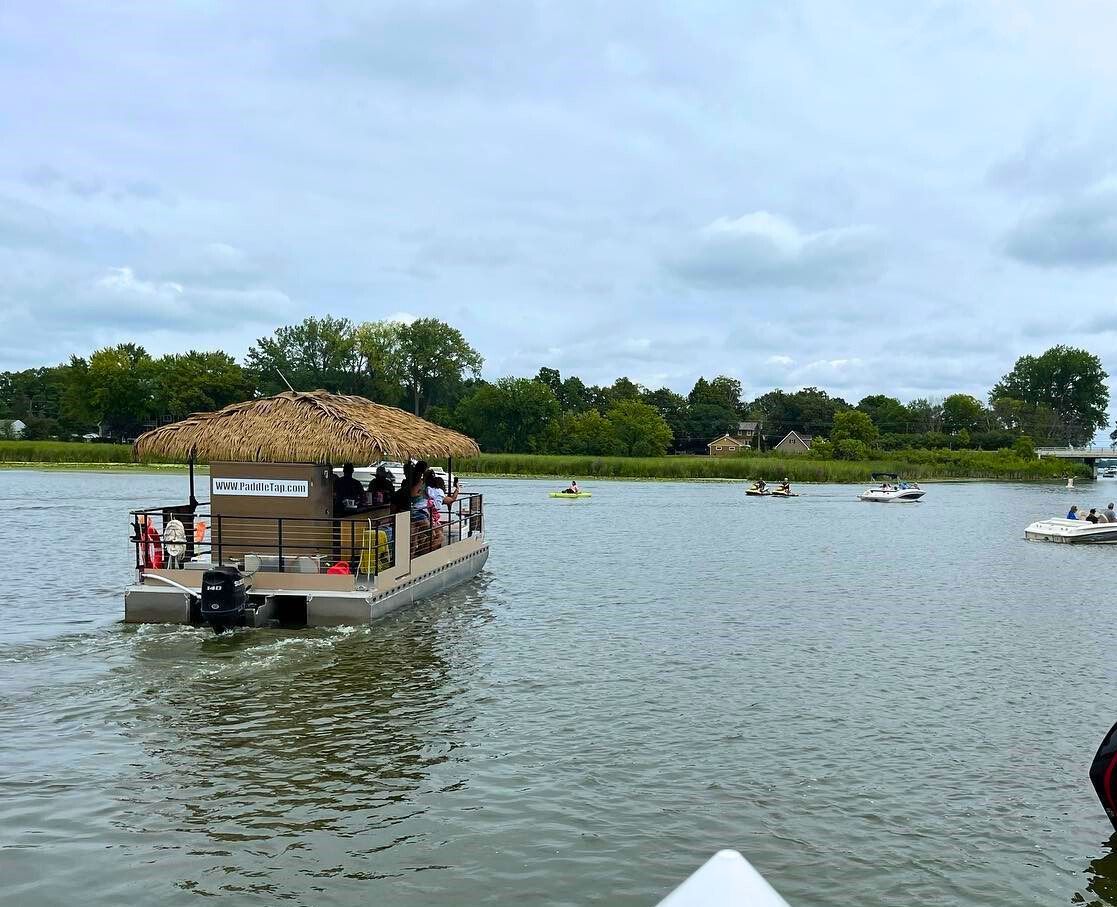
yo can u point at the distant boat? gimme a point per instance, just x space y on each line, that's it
891 490
567 494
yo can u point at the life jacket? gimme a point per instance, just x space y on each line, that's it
341 568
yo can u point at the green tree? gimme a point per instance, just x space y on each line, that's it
195 382
853 425
887 413
674 409
963 412
316 353
706 421
512 416
623 389
121 386
640 430
808 411
722 391
1024 447
851 449
1069 381
379 345
572 394
924 415
587 434
435 358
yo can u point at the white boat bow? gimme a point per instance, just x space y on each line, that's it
727 879
1071 532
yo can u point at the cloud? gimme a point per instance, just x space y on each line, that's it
1079 231
779 360
766 250
45 176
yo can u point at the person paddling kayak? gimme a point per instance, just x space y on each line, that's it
572 488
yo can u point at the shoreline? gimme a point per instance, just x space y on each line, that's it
182 468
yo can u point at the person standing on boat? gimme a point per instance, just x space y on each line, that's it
1072 514
349 494
419 504
438 498
381 488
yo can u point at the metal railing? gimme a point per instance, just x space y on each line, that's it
364 542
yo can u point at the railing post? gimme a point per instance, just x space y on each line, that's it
279 539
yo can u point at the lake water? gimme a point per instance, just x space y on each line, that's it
878 705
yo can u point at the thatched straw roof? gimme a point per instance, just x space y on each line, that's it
304 427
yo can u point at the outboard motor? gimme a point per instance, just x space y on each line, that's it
1103 774
224 596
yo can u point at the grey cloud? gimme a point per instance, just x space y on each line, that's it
765 250
1049 164
1080 231
45 176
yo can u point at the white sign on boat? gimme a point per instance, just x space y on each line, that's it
261 488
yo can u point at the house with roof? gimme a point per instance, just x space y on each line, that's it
745 437
793 443
12 428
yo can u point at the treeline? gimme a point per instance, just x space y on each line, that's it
429 367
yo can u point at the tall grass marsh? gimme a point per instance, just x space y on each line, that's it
911 464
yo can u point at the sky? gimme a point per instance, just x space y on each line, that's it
868 197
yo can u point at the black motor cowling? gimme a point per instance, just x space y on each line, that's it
224 596
1103 774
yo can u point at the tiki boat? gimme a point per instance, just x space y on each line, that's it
278 543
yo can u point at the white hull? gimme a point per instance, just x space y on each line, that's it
329 604
365 474
1072 532
898 496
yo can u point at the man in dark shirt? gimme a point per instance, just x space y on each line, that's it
349 494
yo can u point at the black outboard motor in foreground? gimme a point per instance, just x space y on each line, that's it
1103 774
224 596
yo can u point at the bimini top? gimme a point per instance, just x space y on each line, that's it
304 427
884 475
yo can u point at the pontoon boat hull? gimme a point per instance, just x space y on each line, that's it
368 600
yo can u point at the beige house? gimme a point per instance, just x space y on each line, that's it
747 436
726 446
794 443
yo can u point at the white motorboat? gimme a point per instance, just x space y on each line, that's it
365 474
1071 532
892 490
